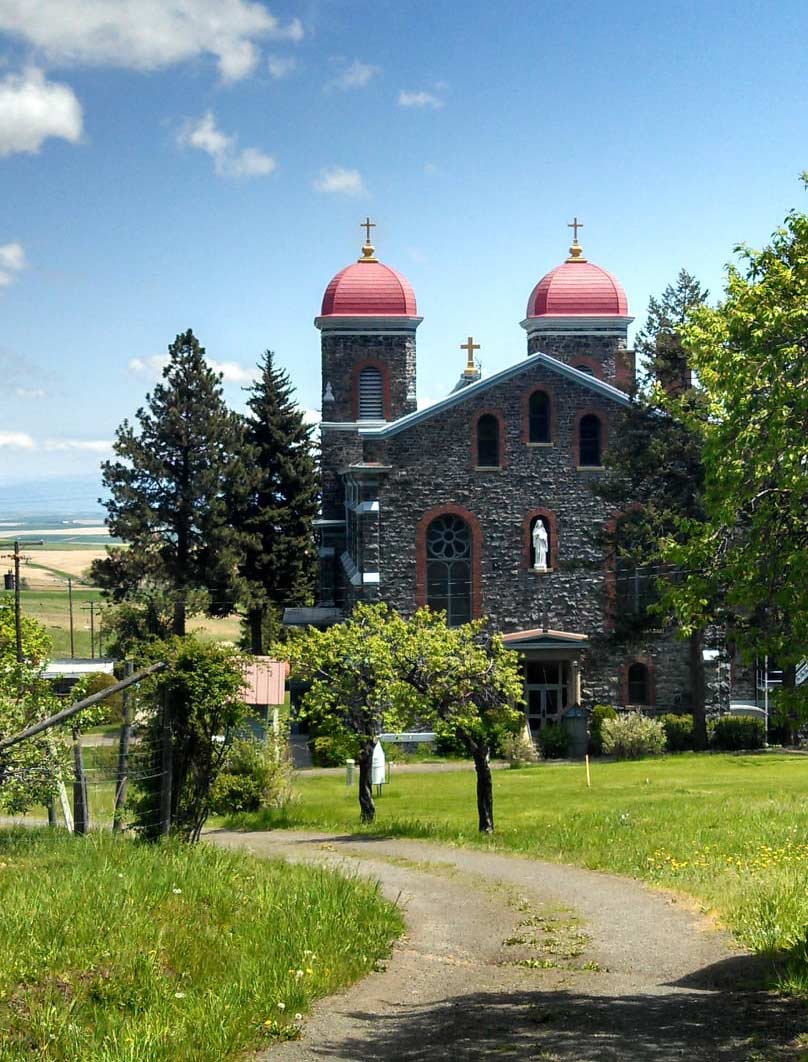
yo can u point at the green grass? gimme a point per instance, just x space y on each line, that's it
114 950
731 831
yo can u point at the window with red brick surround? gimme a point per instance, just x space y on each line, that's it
629 678
576 436
475 437
550 416
476 554
370 363
527 537
590 363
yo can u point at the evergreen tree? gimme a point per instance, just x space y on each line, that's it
279 565
655 459
172 488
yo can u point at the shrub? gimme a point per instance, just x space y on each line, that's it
255 775
554 742
734 732
678 732
599 713
519 750
333 750
632 736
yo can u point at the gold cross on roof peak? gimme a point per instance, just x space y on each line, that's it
367 225
470 346
368 250
576 252
575 224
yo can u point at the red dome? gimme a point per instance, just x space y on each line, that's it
369 289
578 289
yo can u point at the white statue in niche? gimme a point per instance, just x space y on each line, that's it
541 544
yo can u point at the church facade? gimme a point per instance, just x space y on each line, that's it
483 503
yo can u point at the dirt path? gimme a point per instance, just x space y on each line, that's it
507 957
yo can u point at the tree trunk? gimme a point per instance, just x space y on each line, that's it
697 690
255 618
366 804
485 790
178 626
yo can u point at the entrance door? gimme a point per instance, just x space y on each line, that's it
545 693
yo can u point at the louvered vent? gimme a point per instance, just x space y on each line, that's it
371 402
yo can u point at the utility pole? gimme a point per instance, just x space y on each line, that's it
70 609
91 606
17 606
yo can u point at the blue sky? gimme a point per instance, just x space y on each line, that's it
167 164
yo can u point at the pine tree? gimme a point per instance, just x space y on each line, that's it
279 564
172 488
656 460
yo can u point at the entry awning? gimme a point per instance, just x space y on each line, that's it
539 638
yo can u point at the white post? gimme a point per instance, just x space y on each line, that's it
766 701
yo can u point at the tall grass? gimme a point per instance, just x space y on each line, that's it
115 950
730 830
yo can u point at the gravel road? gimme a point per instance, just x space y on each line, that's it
507 957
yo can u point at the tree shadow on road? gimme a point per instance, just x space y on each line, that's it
702 1021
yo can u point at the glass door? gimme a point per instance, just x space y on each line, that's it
545 693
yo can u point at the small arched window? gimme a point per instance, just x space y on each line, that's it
448 568
539 417
586 368
639 684
488 441
371 394
589 441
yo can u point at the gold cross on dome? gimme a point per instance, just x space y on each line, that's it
575 224
367 225
470 346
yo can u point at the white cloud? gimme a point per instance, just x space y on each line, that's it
12 260
228 161
153 366
93 446
340 181
16 440
281 66
354 75
30 393
33 109
419 99
147 34
311 416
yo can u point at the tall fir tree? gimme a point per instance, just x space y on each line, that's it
655 459
279 563
171 491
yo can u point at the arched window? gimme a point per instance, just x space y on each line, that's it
586 368
539 417
371 394
488 441
639 684
589 441
448 568
634 578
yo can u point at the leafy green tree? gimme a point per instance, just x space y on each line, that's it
470 684
203 685
749 559
176 480
278 565
355 686
655 459
29 772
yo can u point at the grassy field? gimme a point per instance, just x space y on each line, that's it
116 950
732 831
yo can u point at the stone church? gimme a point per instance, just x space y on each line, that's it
483 503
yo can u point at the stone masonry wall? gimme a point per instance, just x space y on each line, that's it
433 464
607 353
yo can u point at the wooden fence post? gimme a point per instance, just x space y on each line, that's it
166 765
81 811
123 753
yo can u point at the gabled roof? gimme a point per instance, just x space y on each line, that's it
456 398
539 638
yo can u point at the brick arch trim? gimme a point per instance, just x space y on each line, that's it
589 362
550 408
475 421
576 434
476 554
549 518
384 369
648 664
